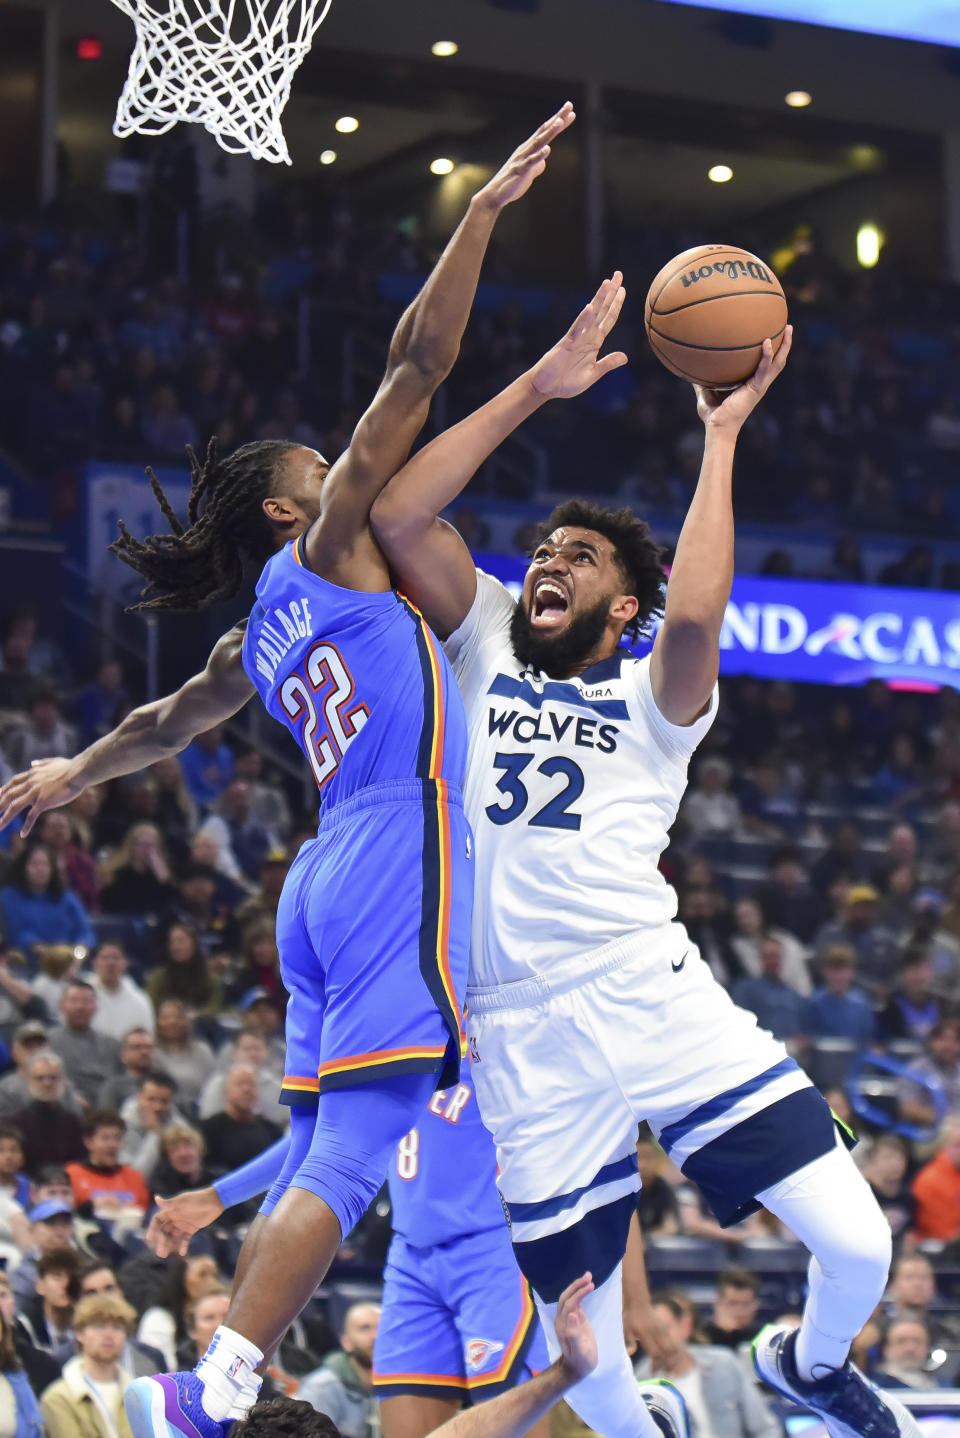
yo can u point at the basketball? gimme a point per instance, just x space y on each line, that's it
708 312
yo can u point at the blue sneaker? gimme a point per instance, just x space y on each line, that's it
168 1406
666 1406
849 1404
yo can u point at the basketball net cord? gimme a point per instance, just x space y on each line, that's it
224 64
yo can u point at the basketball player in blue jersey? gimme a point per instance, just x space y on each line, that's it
588 1006
374 919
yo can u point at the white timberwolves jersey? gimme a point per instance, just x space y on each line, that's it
572 787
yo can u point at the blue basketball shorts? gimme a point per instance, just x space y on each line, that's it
373 929
457 1319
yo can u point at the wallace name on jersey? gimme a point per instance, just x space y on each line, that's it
280 629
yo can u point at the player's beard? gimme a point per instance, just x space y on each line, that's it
559 654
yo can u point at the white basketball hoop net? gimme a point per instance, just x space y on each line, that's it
224 64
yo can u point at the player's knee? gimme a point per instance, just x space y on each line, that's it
857 1251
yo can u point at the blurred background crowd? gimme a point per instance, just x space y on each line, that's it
156 295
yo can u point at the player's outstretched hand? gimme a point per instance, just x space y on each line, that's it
578 1346
729 410
47 784
572 365
527 162
178 1219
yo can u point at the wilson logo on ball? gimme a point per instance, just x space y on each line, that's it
733 269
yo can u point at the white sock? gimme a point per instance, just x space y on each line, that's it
817 1354
227 1369
245 1400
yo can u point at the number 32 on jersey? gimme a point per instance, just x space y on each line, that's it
521 788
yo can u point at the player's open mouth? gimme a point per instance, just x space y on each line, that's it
550 604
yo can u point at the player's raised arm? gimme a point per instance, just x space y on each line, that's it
147 734
422 353
686 655
429 560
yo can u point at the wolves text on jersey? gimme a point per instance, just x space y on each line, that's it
280 632
548 727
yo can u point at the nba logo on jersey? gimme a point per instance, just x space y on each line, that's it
478 1350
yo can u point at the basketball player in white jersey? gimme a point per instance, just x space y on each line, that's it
588 1007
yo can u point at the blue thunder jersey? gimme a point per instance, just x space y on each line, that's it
357 678
443 1179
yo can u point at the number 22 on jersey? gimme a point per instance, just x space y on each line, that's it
319 697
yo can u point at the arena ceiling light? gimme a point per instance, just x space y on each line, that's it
441 167
720 174
869 244
347 124
443 48
798 99
327 157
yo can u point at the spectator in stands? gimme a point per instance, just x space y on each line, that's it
51 1231
22 1417
915 569
185 974
837 1010
249 1050
940 1067
108 1185
182 1163
342 1387
709 808
716 1387
242 840
258 974
37 911
41 1370
47 1317
912 1293
261 906
200 907
139 881
203 1318
261 1016
876 947
98 1279
750 930
943 947
770 808
912 1011
207 764
228 893
843 858
777 1006
905 1356
176 811
137 1055
87 1402
787 897
60 964
122 1006
268 803
164 1326
237 1133
886 1172
18 1002
51 1131
90 1057
146 1114
187 1059
945 848
735 1306
14 1183
656 1202
75 865
102 703
936 1188
15 1094
44 733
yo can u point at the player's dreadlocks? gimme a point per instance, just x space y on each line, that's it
638 554
191 568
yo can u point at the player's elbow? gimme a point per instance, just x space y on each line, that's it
427 358
393 522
